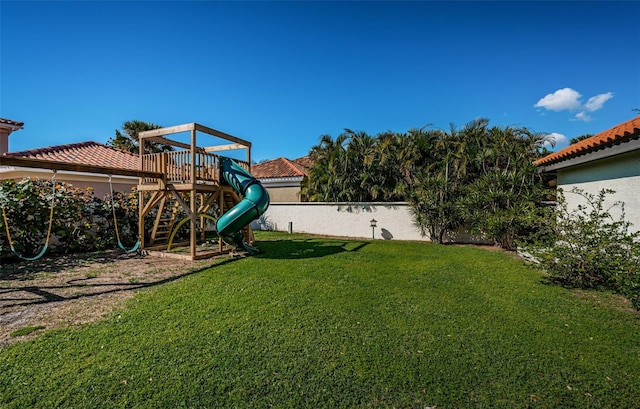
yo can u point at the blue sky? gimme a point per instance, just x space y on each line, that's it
281 74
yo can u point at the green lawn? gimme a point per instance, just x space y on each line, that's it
329 323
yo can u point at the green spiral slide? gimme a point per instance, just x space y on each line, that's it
254 203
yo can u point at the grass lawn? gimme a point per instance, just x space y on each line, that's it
329 323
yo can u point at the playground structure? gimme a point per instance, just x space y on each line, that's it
190 185
195 180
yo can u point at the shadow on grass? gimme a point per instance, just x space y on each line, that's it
19 296
305 248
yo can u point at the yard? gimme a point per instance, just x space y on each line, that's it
314 322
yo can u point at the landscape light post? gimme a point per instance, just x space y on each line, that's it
373 228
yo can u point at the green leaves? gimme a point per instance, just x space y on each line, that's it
355 167
81 221
128 139
477 177
589 247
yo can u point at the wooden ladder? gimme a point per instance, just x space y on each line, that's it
165 220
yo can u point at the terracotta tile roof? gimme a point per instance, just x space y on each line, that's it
12 123
620 133
86 153
280 168
304 161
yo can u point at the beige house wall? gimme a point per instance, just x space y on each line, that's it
4 140
99 183
285 190
620 173
284 194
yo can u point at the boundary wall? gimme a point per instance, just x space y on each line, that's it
393 220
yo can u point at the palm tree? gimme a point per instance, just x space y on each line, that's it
357 167
325 180
504 196
385 179
438 185
580 138
128 139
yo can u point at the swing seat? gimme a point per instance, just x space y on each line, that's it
115 223
132 250
46 243
37 256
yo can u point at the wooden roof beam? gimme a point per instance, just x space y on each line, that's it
166 131
189 127
222 135
75 167
230 147
166 141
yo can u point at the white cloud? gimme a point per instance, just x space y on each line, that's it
559 139
568 99
595 103
562 99
583 116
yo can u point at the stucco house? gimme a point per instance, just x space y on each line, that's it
608 160
86 153
6 127
283 178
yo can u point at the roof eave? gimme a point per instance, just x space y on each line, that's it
11 127
281 181
603 152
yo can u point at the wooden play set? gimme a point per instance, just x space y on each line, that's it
191 185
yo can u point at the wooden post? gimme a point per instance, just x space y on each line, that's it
141 195
220 213
164 168
141 218
194 210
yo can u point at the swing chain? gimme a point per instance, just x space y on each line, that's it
46 243
115 222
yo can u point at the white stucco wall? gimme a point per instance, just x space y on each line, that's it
394 220
620 173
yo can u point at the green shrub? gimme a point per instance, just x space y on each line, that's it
505 206
590 248
126 214
81 221
25 206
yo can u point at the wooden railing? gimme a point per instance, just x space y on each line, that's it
243 164
178 166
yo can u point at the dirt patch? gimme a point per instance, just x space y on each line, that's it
66 291
607 300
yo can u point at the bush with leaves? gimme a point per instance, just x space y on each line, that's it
436 206
478 177
591 248
26 210
125 207
81 221
505 206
